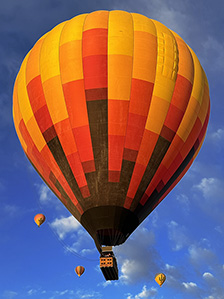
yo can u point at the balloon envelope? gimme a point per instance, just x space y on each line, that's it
111 108
160 278
39 219
79 270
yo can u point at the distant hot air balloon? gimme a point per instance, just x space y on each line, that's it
111 108
160 278
79 270
39 219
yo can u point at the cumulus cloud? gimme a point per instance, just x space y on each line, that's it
138 258
190 286
184 202
83 244
178 235
47 197
207 276
78 241
31 292
200 256
154 218
214 285
145 293
170 268
53 294
174 276
65 225
218 135
66 293
45 194
211 188
81 294
216 140
129 268
105 283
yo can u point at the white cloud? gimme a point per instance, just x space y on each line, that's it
214 285
62 293
190 286
83 243
68 294
218 135
211 188
86 251
154 218
105 283
81 294
145 293
184 202
137 258
70 229
169 267
178 235
207 275
130 270
174 276
47 198
172 271
65 225
216 140
201 256
31 292
45 194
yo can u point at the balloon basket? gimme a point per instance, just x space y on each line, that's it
108 264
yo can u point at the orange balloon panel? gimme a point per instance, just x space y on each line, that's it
111 109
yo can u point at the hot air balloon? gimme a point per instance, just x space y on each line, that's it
111 108
79 270
160 278
39 219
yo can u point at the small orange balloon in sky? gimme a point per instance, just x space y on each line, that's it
79 270
39 219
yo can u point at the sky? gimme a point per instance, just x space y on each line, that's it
183 237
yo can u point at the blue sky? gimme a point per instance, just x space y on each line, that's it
183 237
